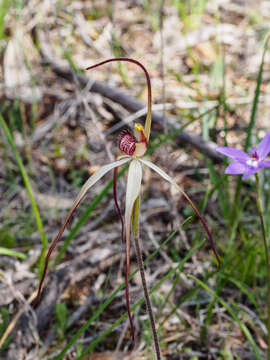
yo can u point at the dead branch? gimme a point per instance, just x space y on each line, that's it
125 100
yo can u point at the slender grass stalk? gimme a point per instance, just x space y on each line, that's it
172 271
29 190
250 127
13 253
229 309
266 250
104 305
4 7
256 97
142 273
84 217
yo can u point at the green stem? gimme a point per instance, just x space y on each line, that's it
135 227
266 250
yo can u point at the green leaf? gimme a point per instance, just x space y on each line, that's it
29 190
242 326
13 253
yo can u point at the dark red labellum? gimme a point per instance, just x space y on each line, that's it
127 142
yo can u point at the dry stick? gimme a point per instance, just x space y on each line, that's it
15 319
128 102
141 268
79 91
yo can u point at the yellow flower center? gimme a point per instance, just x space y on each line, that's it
141 145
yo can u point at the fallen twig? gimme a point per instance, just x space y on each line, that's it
127 101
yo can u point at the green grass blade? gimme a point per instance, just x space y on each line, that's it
185 298
29 190
172 271
164 138
250 126
13 253
242 326
256 98
211 191
4 7
103 306
107 302
222 191
85 216
245 290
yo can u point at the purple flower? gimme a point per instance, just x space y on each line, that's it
247 164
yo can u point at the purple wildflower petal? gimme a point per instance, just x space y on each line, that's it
263 148
252 170
233 153
236 168
265 163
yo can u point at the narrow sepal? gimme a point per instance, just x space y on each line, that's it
236 168
170 180
233 153
89 183
133 190
117 205
263 149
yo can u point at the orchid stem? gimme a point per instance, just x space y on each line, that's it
135 225
260 212
123 242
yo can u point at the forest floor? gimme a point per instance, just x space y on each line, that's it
62 125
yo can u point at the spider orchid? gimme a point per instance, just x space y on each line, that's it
133 147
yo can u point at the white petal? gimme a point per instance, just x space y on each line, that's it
99 174
158 170
133 190
89 183
168 178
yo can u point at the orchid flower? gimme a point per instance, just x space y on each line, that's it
133 147
247 164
